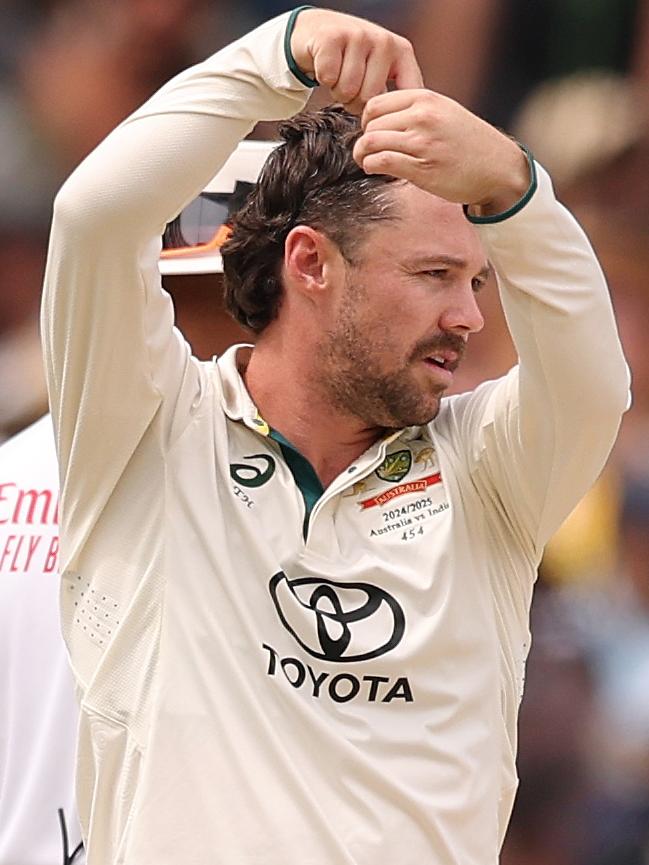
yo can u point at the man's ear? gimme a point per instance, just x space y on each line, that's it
311 260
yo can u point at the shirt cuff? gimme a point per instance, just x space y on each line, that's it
520 204
292 65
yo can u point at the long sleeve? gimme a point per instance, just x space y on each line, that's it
537 439
114 361
531 443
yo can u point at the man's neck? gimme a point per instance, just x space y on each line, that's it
280 385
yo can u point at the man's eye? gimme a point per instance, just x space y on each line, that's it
438 273
478 284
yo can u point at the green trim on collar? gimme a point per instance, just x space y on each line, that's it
304 476
292 65
520 204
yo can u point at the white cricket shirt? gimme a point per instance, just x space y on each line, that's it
38 718
253 695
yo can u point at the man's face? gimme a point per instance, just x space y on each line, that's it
399 325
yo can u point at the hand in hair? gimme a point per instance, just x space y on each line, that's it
440 146
354 58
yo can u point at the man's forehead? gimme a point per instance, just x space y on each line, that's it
431 229
414 202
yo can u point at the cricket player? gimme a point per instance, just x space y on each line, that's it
296 580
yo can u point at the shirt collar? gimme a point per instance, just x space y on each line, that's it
235 399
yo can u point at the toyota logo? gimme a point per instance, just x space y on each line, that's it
338 621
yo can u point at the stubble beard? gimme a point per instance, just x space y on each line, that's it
354 382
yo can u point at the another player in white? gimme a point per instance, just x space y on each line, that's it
38 723
275 670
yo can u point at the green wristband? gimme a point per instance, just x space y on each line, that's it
292 65
520 204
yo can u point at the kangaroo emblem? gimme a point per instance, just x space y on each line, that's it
425 456
355 489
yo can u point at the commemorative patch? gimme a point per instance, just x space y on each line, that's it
404 497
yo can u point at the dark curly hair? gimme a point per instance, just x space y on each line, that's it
310 179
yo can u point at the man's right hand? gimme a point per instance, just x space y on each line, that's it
354 58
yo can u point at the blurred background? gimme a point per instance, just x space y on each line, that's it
571 79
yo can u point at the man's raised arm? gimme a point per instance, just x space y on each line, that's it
549 426
115 366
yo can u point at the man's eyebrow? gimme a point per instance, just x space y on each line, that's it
486 271
452 261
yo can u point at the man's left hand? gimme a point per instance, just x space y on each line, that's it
440 146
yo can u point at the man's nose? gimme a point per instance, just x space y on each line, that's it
462 315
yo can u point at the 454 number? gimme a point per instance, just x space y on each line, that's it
412 533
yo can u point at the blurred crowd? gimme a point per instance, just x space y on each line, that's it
571 79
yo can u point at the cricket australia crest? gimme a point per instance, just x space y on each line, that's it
395 466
